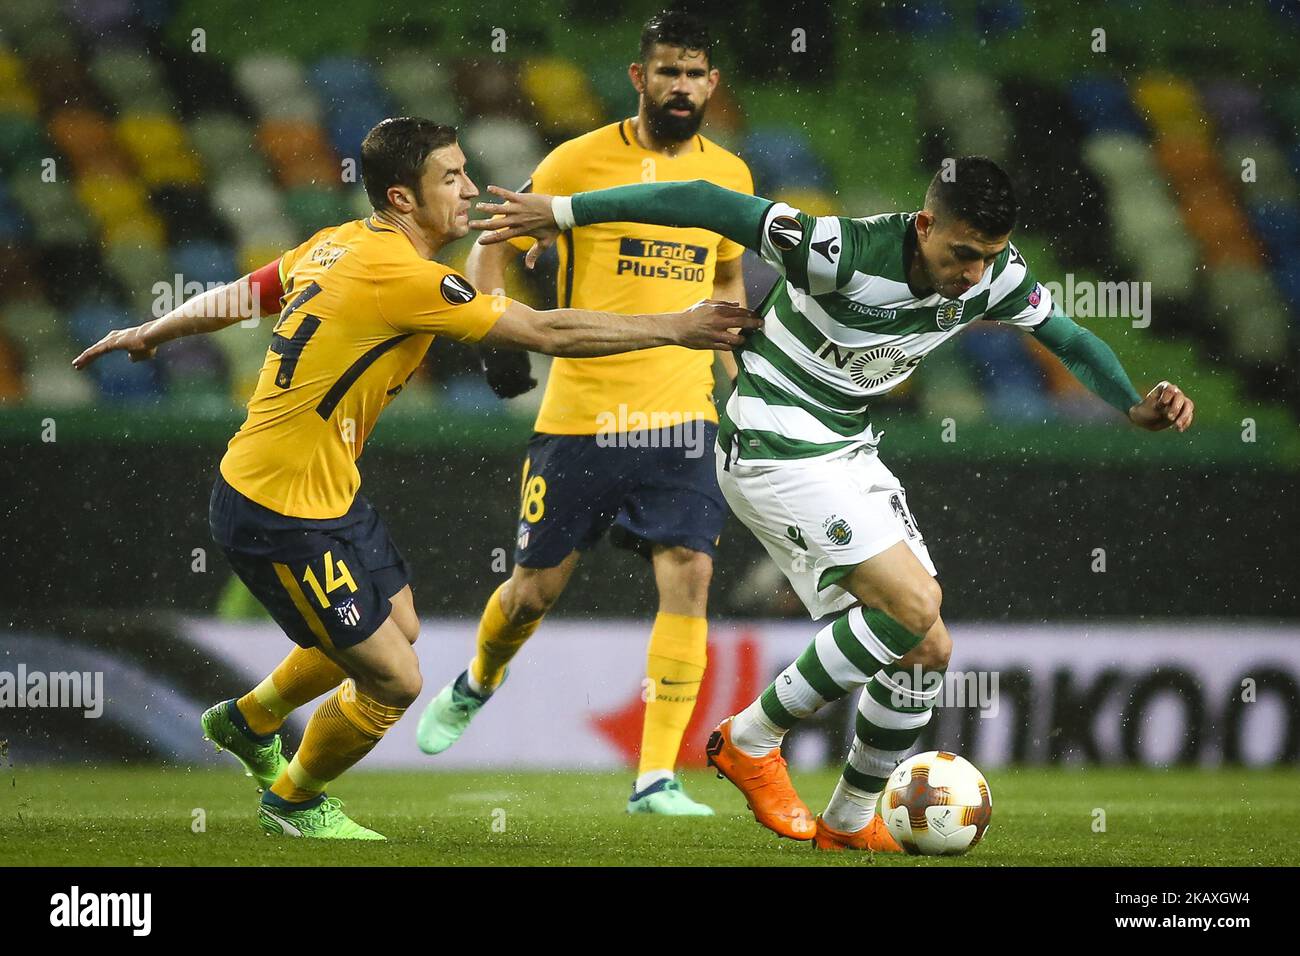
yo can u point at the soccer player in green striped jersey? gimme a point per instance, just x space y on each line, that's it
859 305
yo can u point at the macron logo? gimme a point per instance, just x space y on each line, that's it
103 909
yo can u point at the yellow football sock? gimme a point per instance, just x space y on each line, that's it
498 642
301 677
343 730
674 669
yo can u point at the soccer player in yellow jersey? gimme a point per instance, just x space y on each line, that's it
621 442
359 305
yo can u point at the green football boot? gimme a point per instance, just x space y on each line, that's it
262 761
666 798
448 714
325 820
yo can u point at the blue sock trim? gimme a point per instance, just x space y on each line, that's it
656 787
277 802
237 718
462 687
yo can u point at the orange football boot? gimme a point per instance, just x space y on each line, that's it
874 836
765 782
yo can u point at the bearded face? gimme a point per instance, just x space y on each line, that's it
677 86
674 120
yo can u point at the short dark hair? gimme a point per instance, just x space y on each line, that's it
676 28
976 191
394 153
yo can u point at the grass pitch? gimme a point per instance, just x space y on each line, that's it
149 817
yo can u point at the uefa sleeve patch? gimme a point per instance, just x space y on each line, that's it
785 232
457 290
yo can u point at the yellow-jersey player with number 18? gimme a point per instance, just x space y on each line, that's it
359 305
622 442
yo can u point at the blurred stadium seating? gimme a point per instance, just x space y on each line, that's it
128 159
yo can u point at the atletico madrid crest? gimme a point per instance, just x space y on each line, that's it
348 612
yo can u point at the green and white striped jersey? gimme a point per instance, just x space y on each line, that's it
842 325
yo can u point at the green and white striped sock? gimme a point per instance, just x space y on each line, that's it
843 656
892 712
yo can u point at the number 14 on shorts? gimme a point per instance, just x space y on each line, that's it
337 576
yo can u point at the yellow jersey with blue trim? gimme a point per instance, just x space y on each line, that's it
632 268
360 308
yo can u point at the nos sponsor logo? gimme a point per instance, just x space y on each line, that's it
869 367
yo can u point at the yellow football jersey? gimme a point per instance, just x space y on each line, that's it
360 308
632 268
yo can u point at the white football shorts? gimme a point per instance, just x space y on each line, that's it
814 516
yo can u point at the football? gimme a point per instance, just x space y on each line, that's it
937 804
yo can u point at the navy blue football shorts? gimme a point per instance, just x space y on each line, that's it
327 582
653 487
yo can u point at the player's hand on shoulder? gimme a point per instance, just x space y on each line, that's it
713 324
1165 405
518 214
129 340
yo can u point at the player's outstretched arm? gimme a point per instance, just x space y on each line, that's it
1094 364
209 311
729 286
578 333
697 203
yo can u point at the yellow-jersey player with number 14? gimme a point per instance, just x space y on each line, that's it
359 305
622 442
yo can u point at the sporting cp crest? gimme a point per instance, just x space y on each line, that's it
949 314
838 530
